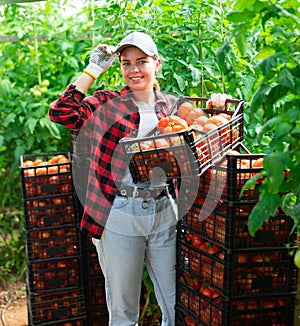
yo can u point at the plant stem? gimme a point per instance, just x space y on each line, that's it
37 57
146 305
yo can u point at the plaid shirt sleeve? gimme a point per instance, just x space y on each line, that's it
73 108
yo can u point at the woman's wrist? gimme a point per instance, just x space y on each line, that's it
84 82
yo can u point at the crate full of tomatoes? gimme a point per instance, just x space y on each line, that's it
54 275
220 210
240 272
47 190
205 306
94 286
65 308
187 142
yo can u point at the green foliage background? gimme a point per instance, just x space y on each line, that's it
246 48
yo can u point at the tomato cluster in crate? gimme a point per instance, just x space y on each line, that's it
227 226
236 272
208 307
45 174
188 152
47 190
225 179
54 274
52 242
56 210
65 308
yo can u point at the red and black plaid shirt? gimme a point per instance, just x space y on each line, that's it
108 116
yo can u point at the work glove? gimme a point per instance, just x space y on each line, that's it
101 59
218 101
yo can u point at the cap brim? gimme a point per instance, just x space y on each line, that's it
124 46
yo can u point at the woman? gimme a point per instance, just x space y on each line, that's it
130 223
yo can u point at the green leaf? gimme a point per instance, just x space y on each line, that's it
180 81
240 16
265 53
250 183
283 129
9 119
51 126
1 141
275 164
296 133
262 211
291 206
196 74
31 124
240 41
286 79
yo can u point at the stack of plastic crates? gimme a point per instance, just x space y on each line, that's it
93 278
55 289
224 275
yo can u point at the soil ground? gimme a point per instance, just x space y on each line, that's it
13 305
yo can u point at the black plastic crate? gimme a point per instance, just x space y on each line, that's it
54 274
94 285
187 153
226 224
226 179
206 307
237 272
98 316
52 242
48 211
46 174
90 256
57 308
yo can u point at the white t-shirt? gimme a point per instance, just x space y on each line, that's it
148 120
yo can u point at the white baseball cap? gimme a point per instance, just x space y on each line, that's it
141 40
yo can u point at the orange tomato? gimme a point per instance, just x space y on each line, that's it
193 115
184 109
171 124
258 163
218 120
209 127
201 120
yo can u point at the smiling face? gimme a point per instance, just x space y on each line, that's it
138 69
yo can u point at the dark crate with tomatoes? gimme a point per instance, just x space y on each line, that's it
227 225
257 271
178 151
48 191
54 274
206 307
97 312
225 179
48 211
45 174
98 316
64 308
52 242
94 286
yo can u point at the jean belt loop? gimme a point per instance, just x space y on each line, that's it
135 192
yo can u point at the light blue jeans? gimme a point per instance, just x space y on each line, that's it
138 232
